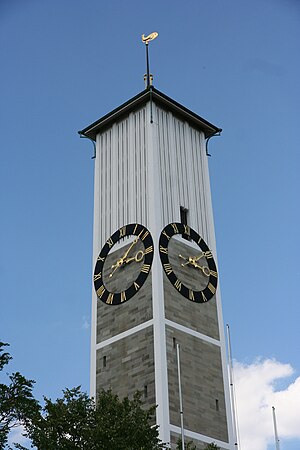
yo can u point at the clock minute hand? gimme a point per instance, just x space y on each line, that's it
121 261
128 250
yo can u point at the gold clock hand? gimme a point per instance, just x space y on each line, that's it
205 269
199 257
121 261
116 266
186 259
138 257
183 257
128 250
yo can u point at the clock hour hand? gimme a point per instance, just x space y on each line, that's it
205 269
192 261
138 257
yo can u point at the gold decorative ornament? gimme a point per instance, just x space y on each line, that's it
150 37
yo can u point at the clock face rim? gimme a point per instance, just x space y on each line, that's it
118 298
178 228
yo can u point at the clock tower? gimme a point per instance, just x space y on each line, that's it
155 268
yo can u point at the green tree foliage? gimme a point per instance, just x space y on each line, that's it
17 404
75 422
191 446
187 445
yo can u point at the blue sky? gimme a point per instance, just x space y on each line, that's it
67 63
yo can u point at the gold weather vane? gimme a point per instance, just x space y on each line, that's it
150 37
146 40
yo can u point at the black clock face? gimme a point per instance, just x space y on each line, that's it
192 271
120 274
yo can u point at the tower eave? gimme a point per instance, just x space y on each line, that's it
158 97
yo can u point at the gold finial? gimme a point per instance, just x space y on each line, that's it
150 37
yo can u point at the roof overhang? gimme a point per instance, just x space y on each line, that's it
143 97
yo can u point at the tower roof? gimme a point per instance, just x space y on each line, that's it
158 97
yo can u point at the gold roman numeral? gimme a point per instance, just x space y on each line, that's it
177 284
100 291
214 273
100 259
163 249
165 234
97 276
136 286
168 268
145 268
191 295
122 232
148 250
123 296
135 227
211 288
203 297
110 242
187 229
143 236
208 255
110 298
174 226
199 240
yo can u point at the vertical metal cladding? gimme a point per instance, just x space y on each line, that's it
181 153
122 166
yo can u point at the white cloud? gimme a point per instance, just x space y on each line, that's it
255 389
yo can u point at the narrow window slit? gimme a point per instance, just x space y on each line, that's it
174 342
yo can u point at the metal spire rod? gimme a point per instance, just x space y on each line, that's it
235 428
146 40
275 429
180 396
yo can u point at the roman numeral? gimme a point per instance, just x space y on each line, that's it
100 259
174 226
203 297
191 295
100 291
110 242
187 229
136 286
214 273
123 296
165 234
135 227
177 284
97 276
208 255
211 288
145 268
168 268
148 250
163 249
199 240
110 298
143 236
122 232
